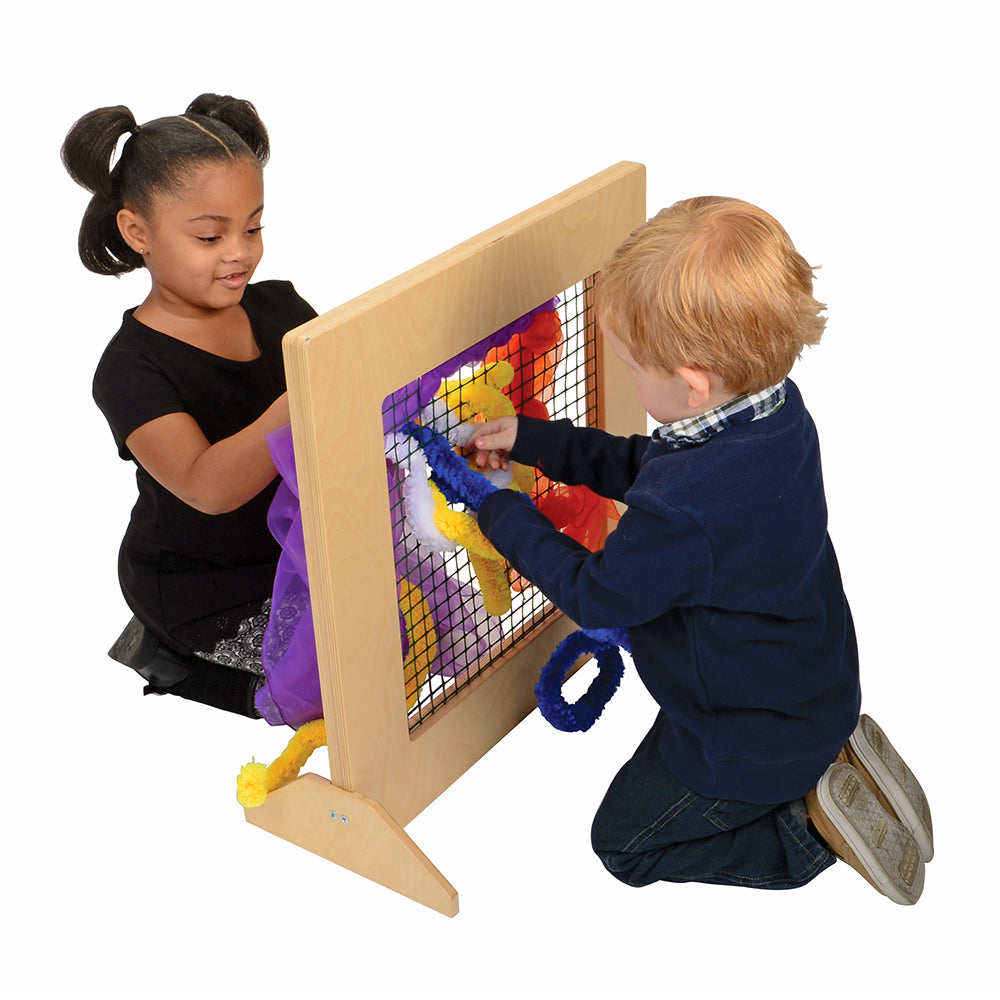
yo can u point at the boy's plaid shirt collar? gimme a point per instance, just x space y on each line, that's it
741 410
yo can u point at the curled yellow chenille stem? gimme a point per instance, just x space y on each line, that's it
489 566
256 781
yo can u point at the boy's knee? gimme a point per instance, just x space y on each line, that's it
604 837
621 863
636 868
623 875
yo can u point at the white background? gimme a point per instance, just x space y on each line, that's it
399 130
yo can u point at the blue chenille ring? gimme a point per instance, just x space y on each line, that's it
581 715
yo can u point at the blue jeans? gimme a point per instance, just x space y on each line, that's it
653 828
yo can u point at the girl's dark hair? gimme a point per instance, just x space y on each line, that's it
157 157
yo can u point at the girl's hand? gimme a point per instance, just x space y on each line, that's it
493 441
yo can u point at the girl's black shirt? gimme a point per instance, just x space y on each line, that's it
176 564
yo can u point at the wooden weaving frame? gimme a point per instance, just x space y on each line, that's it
340 367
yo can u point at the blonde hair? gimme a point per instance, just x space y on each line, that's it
712 283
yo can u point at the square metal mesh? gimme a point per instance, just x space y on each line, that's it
447 638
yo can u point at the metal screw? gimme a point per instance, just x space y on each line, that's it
344 820
333 815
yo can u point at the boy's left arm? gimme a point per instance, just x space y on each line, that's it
649 564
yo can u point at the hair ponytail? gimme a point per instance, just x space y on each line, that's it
91 143
158 158
86 154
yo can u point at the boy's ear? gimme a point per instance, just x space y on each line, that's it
699 383
133 229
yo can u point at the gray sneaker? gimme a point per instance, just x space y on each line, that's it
899 791
857 828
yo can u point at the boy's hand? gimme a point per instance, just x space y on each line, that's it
493 441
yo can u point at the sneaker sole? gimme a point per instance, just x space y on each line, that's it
860 832
876 758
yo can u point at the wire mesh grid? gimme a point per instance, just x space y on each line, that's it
447 636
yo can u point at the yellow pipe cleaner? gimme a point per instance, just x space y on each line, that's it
256 781
423 640
489 566
480 397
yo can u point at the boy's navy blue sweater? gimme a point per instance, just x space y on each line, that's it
723 574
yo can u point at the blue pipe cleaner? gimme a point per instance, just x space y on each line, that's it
457 482
581 715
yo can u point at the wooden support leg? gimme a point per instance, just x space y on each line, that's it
354 832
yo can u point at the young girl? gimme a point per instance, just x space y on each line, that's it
192 382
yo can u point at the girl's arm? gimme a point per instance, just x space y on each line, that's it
212 478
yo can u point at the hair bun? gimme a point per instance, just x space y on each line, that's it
239 115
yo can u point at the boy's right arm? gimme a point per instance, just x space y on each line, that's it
584 456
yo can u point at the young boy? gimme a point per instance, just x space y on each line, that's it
722 573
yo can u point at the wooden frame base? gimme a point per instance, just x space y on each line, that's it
356 833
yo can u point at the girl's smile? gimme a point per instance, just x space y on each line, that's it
235 281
